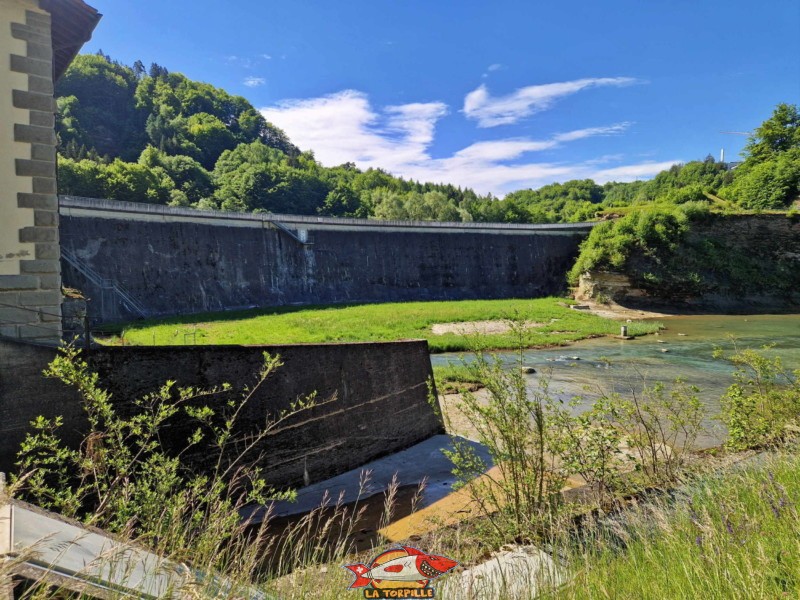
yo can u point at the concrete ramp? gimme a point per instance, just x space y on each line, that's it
423 461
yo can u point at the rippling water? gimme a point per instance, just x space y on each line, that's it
683 350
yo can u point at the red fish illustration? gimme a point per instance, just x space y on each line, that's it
416 566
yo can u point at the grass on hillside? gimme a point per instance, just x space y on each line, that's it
735 534
556 324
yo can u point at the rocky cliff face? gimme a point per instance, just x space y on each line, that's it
731 263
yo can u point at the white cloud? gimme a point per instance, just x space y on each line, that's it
580 134
492 68
345 127
247 62
254 81
631 172
491 111
605 158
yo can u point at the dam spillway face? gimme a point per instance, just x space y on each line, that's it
138 259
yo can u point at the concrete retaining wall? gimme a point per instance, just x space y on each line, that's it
373 398
166 261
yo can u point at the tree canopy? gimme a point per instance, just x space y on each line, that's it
149 135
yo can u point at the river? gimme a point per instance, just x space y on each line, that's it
683 350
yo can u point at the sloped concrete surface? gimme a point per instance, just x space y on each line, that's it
517 573
425 460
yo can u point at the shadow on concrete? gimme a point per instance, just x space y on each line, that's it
357 510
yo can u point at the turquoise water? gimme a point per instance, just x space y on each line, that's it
683 350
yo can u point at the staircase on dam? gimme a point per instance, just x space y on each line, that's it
110 290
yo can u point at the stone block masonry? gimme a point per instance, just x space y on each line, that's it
372 398
30 269
179 261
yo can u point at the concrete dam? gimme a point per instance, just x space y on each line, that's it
137 260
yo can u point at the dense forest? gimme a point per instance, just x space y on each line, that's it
149 135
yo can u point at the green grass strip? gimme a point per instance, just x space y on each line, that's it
554 324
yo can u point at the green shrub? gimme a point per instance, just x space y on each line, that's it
588 444
768 185
654 232
121 478
512 425
537 442
689 193
662 425
763 403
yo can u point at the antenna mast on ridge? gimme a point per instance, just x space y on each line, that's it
722 151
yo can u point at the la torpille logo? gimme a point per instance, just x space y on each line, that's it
402 572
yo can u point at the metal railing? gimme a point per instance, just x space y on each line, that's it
37 332
284 229
78 329
151 211
103 283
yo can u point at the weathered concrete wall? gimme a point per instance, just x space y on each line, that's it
372 398
25 394
175 261
30 282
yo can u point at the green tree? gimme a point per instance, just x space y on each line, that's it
769 177
210 135
342 201
189 176
271 186
388 205
770 184
81 178
780 133
133 182
254 153
104 115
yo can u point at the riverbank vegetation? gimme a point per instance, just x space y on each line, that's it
150 135
655 232
656 519
688 252
550 322
653 520
732 534
124 478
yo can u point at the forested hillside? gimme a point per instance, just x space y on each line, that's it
148 135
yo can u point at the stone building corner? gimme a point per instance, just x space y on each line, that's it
30 271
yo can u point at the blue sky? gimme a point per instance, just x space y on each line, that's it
496 95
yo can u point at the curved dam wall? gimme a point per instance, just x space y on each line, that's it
145 260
